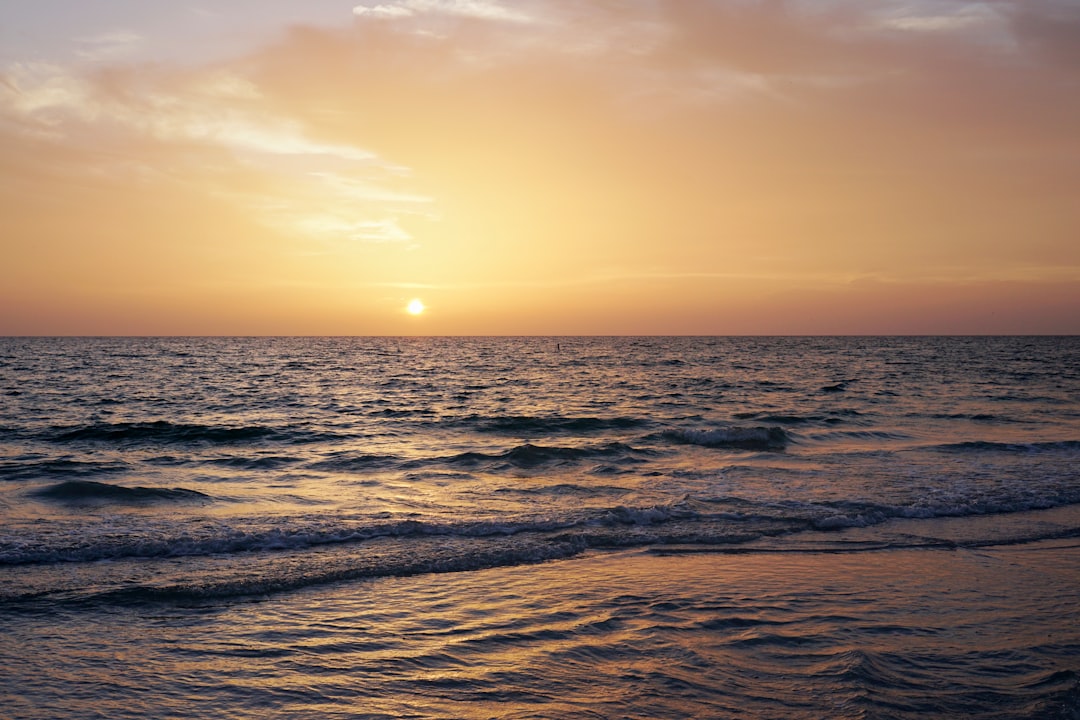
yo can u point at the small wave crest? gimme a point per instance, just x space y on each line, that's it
88 490
529 456
741 438
781 419
980 446
858 435
352 462
516 424
253 463
257 556
164 541
474 554
164 432
57 468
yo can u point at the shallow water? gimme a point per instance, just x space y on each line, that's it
666 632
754 527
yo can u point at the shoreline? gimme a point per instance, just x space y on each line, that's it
983 632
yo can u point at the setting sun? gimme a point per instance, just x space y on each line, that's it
415 307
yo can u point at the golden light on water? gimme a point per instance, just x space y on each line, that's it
415 307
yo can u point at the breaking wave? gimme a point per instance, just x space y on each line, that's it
689 520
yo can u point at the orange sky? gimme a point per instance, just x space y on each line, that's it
540 167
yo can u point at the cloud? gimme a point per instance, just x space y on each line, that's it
942 16
217 110
41 93
384 11
330 207
362 190
667 57
885 132
476 9
384 230
200 120
109 46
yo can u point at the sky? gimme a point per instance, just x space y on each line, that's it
522 167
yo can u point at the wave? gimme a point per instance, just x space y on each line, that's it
980 446
473 556
253 463
165 432
869 435
164 541
741 438
979 417
688 520
354 462
775 419
88 490
239 560
530 456
573 489
552 424
53 468
396 413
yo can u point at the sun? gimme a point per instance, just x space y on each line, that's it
415 307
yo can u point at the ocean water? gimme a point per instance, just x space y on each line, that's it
540 527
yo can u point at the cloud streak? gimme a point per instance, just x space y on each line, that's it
207 119
109 46
475 9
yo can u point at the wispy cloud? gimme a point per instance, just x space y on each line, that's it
316 188
218 111
477 9
384 230
41 93
109 46
943 16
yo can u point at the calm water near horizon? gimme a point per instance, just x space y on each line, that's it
643 527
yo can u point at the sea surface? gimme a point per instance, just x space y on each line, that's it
540 527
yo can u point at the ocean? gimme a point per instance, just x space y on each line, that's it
638 527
